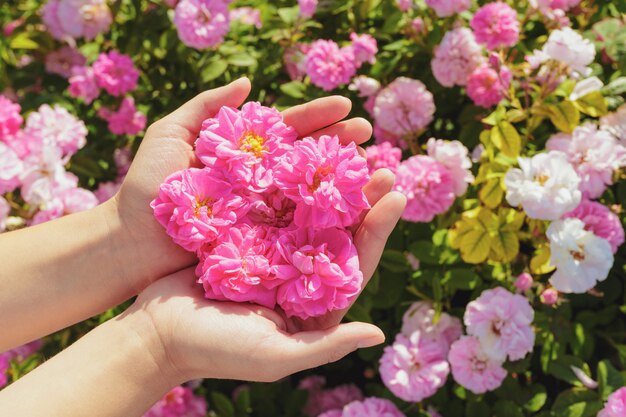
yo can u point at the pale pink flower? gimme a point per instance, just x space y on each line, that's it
524 281
83 84
366 86
595 155
44 176
501 321
250 142
11 168
404 5
454 156
445 8
126 120
570 48
202 23
116 73
496 25
414 367
62 61
325 180
549 296
64 202
546 186
381 135
295 60
421 316
601 221
238 267
428 186
179 402
364 48
247 16
77 18
383 156
472 368
196 206
5 209
55 126
456 57
549 6
586 86
418 25
122 158
10 118
106 190
615 405
320 269
307 8
615 123
581 258
404 107
322 400
487 87
371 407
329 66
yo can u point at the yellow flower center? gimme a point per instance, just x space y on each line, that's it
207 202
252 143
320 173
542 179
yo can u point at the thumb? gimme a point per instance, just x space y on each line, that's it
315 348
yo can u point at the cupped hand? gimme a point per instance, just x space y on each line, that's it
168 146
191 337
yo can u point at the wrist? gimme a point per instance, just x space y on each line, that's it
150 347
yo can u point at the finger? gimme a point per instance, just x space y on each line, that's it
372 234
190 115
317 114
380 184
357 130
361 152
310 349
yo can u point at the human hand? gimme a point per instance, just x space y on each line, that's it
168 146
190 337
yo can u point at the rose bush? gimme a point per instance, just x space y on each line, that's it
502 290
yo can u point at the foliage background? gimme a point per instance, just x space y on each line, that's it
587 331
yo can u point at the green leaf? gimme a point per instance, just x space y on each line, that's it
222 405
491 193
294 89
538 397
461 279
477 409
242 60
505 137
505 245
289 14
561 369
213 70
592 104
571 397
508 409
394 260
22 41
609 379
565 116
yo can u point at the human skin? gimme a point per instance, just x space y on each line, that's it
67 270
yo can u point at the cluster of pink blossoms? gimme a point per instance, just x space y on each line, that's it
179 402
322 399
33 159
615 405
268 215
116 74
18 354
330 66
414 367
432 182
498 324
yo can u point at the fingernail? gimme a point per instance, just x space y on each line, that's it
369 342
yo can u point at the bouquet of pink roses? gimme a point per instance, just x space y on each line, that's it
268 215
